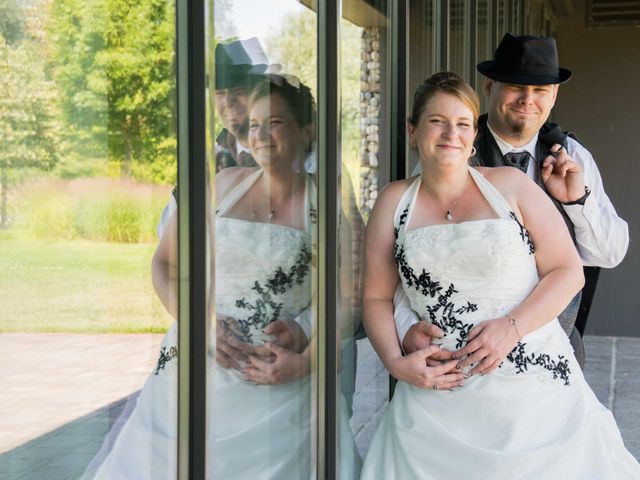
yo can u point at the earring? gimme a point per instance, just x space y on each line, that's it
473 152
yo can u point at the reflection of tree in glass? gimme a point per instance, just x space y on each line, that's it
298 58
115 75
27 126
223 15
293 46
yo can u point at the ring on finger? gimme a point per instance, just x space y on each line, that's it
434 386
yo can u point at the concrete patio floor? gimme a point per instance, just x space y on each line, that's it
62 393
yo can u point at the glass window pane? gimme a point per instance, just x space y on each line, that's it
261 415
365 42
87 163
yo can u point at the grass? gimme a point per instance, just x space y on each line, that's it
77 286
99 209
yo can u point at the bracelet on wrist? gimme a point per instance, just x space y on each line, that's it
514 324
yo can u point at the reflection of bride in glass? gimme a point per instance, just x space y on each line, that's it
264 219
260 419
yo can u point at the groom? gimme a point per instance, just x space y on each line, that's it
521 87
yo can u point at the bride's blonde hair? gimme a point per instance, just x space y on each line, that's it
444 82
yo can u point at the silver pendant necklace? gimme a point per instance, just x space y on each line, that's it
448 215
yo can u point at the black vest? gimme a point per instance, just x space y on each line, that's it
488 155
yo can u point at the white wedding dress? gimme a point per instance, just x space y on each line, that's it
535 417
256 432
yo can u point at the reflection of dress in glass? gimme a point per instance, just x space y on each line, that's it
534 417
255 431
262 274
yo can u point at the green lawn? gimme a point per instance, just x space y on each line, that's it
77 286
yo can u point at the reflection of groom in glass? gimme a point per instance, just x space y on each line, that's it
239 65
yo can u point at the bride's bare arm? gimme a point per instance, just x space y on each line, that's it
557 260
559 269
164 273
381 278
164 267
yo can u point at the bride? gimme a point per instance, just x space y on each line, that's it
484 255
260 417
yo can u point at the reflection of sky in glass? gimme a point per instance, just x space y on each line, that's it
257 18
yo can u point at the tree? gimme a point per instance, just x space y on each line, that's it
296 57
75 29
27 115
114 70
138 60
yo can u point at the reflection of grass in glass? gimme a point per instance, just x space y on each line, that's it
94 209
77 286
123 221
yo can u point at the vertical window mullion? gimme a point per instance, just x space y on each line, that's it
398 77
192 239
472 42
493 24
445 21
328 201
521 17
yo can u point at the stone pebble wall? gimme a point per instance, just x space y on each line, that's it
370 104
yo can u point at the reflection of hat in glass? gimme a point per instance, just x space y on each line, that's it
525 60
241 62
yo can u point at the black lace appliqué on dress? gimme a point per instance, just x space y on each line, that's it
265 309
166 355
524 234
444 313
559 368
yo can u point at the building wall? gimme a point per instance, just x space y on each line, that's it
601 104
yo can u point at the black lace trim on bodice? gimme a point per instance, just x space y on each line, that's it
265 309
443 313
524 234
166 355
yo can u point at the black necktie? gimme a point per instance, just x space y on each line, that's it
245 159
518 159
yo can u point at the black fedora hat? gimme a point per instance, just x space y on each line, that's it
525 60
240 63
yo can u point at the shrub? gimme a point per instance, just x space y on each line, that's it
119 211
51 217
123 221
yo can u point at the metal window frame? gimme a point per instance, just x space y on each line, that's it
192 238
472 43
522 17
399 13
329 155
492 25
444 17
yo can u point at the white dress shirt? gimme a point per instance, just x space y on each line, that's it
602 237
